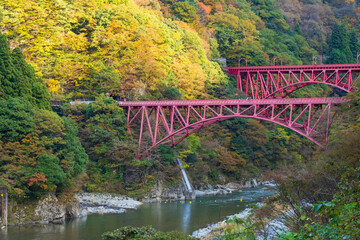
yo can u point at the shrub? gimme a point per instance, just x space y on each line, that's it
142 233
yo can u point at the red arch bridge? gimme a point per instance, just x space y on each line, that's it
169 122
279 81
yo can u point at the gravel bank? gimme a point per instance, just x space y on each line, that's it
105 203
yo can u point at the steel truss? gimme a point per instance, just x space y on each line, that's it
279 81
169 122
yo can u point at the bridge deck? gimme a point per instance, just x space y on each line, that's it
295 68
284 101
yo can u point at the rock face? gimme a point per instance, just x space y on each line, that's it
175 192
48 209
178 192
208 189
133 176
73 210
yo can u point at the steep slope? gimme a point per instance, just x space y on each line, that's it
84 48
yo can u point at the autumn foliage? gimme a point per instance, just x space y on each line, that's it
38 179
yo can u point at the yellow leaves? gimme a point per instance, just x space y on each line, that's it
177 35
226 20
249 29
53 85
18 191
183 155
190 78
76 42
139 44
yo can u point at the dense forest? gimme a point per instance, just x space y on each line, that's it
106 50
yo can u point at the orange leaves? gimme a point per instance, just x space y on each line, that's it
204 9
37 179
22 153
357 11
229 161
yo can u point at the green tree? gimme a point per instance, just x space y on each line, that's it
73 156
16 118
354 44
185 11
29 85
50 167
18 79
9 76
297 28
339 48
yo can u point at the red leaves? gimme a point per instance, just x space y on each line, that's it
37 179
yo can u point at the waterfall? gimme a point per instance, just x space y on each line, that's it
186 179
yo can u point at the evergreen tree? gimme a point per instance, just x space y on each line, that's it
25 76
339 45
74 153
8 73
297 28
18 79
354 44
16 119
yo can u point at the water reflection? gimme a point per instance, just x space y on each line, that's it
178 215
186 218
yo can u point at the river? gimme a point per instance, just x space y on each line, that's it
177 215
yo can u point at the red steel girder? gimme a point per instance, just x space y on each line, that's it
161 122
279 81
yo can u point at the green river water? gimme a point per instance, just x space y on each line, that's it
177 215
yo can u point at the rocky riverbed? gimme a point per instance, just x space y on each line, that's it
105 203
114 203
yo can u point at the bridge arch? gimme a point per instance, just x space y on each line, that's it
286 91
209 122
172 121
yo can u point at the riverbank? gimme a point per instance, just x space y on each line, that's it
55 209
273 228
208 189
165 216
208 231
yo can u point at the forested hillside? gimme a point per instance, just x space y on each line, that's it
150 50
85 48
40 151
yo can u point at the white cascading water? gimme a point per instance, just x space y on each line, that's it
187 182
